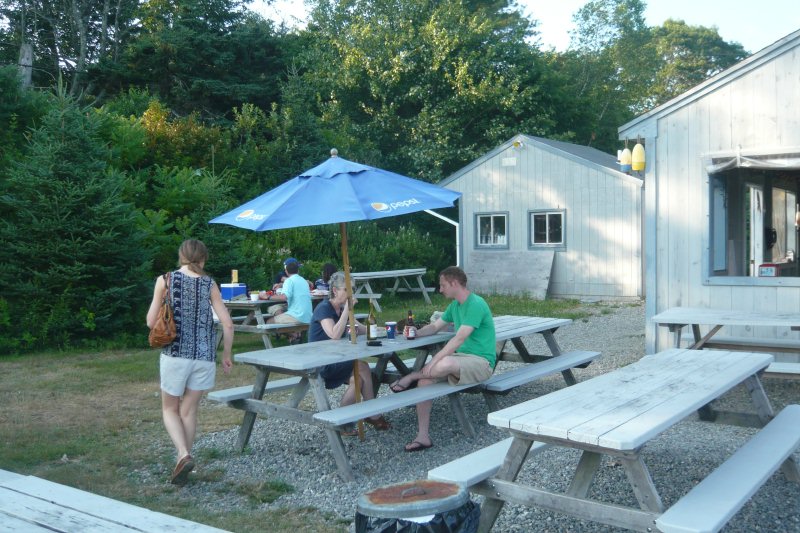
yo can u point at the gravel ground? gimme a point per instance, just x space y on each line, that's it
299 455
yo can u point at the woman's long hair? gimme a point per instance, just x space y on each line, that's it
193 253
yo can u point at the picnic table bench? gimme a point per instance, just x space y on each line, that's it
255 321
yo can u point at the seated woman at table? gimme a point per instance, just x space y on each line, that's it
329 321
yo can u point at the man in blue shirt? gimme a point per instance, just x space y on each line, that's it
297 296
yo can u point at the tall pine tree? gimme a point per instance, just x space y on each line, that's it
72 267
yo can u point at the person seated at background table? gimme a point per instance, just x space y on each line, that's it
279 280
329 321
322 284
469 357
298 301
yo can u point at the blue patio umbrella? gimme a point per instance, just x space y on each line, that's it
338 191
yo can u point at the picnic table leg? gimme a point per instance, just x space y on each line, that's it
249 417
377 374
334 438
584 474
396 286
551 341
458 409
642 484
555 349
259 318
522 350
298 393
375 303
676 329
508 472
424 292
491 401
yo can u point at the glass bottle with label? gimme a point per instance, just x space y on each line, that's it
411 329
372 324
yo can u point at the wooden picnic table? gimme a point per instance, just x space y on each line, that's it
306 360
363 288
255 321
31 504
695 318
618 414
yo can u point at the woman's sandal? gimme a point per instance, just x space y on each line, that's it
417 446
181 473
380 423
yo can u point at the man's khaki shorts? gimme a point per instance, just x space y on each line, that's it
474 369
286 318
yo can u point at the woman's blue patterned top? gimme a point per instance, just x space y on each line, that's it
194 321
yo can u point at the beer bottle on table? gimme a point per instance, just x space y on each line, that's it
411 329
372 325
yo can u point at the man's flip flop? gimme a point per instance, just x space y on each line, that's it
417 446
396 387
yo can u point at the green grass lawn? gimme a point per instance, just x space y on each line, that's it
92 420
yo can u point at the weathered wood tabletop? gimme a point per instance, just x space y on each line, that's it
617 414
31 504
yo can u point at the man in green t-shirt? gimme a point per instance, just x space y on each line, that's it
469 357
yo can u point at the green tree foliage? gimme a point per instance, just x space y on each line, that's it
688 56
72 262
19 111
68 36
606 73
200 56
430 85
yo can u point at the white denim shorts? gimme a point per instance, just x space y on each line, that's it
179 374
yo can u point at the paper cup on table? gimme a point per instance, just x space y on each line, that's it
391 330
254 296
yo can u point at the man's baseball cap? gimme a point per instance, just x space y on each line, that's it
291 260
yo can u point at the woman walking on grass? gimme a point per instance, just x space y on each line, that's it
188 365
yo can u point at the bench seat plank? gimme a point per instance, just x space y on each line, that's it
497 383
479 465
530 372
724 342
384 404
710 504
783 369
246 391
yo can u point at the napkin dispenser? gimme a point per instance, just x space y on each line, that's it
231 290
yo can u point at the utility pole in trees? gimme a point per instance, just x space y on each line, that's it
26 64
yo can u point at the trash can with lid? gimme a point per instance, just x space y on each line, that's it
417 506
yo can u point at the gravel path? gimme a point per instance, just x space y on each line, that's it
678 459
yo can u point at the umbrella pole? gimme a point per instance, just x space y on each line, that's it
352 319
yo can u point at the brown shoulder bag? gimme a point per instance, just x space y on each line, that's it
163 332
